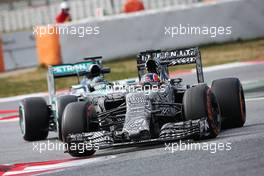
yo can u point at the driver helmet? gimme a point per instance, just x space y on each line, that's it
97 80
151 66
97 83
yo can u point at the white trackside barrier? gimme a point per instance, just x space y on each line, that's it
126 35
25 17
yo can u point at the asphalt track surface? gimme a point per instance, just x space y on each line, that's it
246 156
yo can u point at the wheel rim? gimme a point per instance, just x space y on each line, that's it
213 114
242 105
58 129
22 123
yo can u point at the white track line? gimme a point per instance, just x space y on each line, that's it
255 99
20 97
225 66
63 165
9 120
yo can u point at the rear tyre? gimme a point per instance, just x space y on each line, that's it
75 120
199 102
230 96
34 119
63 101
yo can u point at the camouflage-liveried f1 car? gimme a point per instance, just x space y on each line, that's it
171 112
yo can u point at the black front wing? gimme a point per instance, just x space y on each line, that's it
169 132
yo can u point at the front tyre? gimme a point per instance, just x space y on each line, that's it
62 102
76 120
200 102
34 119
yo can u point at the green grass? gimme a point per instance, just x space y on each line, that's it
35 80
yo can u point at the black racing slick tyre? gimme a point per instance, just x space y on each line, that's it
34 119
62 102
75 120
200 102
230 96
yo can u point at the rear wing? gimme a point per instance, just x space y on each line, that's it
75 69
71 70
165 59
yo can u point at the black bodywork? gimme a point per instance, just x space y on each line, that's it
132 118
